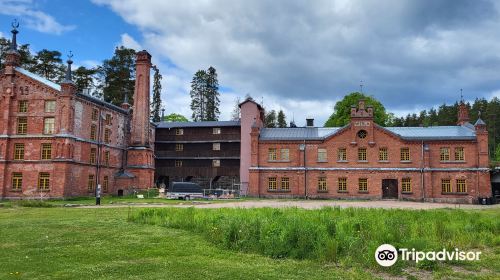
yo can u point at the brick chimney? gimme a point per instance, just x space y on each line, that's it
463 114
140 114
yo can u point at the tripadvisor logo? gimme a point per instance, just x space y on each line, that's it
387 255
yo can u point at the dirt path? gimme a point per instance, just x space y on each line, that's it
309 204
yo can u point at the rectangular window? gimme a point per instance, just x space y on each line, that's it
271 154
342 184
23 106
178 163
18 151
446 185
46 151
22 125
361 154
285 184
444 154
107 133
322 184
216 162
363 184
271 184
405 154
216 130
322 156
108 119
91 183
382 154
50 106
179 147
285 154
44 181
95 113
461 186
48 125
105 184
17 181
406 185
179 131
106 158
342 154
459 154
216 146
92 155
93 132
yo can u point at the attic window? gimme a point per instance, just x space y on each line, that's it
362 134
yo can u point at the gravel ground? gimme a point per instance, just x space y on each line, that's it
310 204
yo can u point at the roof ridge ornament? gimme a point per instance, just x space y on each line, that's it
68 78
13 43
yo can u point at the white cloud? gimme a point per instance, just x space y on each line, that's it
32 17
129 42
303 56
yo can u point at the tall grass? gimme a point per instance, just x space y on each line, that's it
348 235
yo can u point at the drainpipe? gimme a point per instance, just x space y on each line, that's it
422 177
302 147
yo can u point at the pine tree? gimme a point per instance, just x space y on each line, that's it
270 119
49 65
156 102
235 115
205 95
281 119
84 78
117 76
212 95
26 61
198 96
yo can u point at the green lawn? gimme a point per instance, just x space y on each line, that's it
68 243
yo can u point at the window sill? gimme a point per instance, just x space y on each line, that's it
43 190
383 161
362 161
322 161
342 161
364 192
405 161
406 192
322 191
452 161
16 190
342 191
279 191
454 193
278 161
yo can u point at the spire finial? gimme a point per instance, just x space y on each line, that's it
461 96
163 114
13 43
68 78
361 86
125 98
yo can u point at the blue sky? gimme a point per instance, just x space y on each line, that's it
297 55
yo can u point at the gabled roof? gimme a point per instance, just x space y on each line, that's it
297 133
197 124
38 78
406 133
58 88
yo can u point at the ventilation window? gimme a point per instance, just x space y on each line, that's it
362 134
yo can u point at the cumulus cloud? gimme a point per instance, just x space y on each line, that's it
32 17
129 42
302 56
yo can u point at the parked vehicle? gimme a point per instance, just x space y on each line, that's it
185 190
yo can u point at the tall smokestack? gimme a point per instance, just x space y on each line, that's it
140 113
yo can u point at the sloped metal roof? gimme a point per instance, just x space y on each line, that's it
407 133
197 124
297 133
434 133
38 78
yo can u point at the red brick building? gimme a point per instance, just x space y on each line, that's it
363 160
57 142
